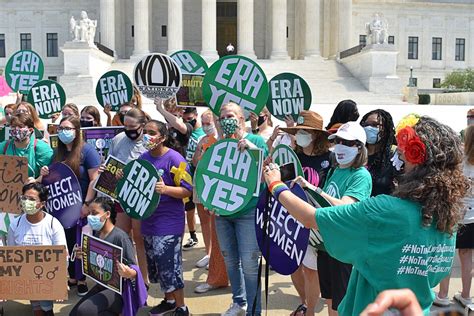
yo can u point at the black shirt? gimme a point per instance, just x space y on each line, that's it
120 238
382 177
181 140
315 168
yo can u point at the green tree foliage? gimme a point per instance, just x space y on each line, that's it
459 80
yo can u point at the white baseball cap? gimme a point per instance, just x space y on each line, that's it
350 131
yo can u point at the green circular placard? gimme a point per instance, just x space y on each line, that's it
23 70
226 178
283 154
190 62
136 190
48 98
289 95
114 88
235 79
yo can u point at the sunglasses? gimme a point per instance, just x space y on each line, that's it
345 142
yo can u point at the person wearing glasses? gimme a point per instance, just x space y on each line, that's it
35 227
380 131
84 161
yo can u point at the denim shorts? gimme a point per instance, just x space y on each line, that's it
165 261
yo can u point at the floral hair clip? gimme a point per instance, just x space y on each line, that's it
408 142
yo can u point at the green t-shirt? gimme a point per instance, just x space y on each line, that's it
259 142
194 139
383 238
356 183
37 157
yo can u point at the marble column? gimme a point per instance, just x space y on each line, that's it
469 53
245 28
312 28
175 26
107 23
279 24
209 30
345 25
141 27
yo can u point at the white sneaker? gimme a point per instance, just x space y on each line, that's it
443 302
235 310
203 288
203 262
464 301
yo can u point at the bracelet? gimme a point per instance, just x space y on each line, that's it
278 188
270 187
318 190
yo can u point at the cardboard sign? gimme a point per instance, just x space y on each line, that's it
235 79
114 88
315 238
107 181
13 175
33 273
284 242
65 196
283 154
289 95
190 93
48 98
136 190
23 70
99 262
190 62
157 75
226 177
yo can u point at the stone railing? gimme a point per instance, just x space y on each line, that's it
351 51
104 49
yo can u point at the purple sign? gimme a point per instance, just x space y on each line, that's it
100 138
65 196
285 242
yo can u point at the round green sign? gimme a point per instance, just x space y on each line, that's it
226 177
23 70
136 190
235 79
283 154
289 95
190 62
48 97
114 88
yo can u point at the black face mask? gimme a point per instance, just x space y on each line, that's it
192 122
122 118
85 123
261 120
133 134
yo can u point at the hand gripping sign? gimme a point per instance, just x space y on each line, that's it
136 190
226 177
235 79
289 95
48 98
23 70
283 154
281 238
157 75
114 88
190 62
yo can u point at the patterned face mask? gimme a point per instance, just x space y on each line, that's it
229 125
20 134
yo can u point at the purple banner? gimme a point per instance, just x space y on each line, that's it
65 196
100 138
285 242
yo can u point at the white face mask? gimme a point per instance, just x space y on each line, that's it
303 138
344 154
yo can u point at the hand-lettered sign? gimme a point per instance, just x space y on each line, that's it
23 70
13 175
99 262
65 196
190 62
289 95
283 154
33 273
282 239
136 190
318 201
190 93
226 177
235 79
107 181
114 88
157 75
48 98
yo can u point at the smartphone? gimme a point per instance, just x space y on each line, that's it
288 172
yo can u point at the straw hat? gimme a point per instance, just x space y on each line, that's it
307 120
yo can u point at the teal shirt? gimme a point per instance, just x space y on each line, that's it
356 183
37 157
194 139
259 142
389 248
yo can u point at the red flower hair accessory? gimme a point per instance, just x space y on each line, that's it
411 145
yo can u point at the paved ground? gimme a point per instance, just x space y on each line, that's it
282 299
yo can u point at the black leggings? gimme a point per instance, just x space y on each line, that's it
98 301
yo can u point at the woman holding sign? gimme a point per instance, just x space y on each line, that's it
401 241
163 230
236 233
84 161
25 107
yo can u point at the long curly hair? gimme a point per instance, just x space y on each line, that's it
438 184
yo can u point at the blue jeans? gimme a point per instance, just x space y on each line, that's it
241 254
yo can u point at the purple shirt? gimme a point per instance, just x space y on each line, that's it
168 219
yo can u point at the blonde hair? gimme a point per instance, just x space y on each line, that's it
208 113
269 116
